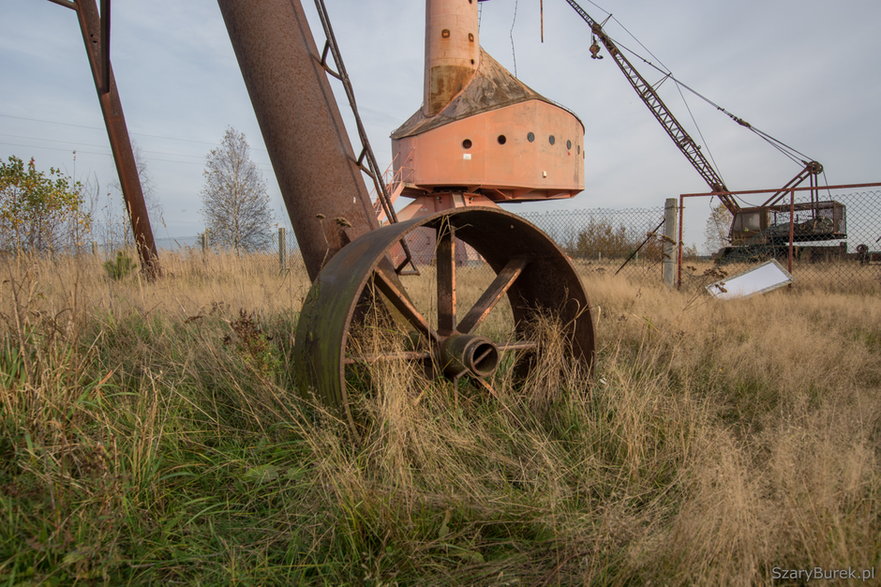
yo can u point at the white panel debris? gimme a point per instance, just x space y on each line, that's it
761 279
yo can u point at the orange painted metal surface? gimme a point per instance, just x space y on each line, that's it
530 150
480 130
422 243
426 204
452 51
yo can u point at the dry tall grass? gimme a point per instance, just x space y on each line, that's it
151 432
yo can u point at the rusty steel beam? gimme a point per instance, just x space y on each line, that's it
65 3
120 143
311 154
105 46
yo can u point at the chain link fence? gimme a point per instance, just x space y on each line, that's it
625 240
600 238
628 240
829 240
845 255
835 239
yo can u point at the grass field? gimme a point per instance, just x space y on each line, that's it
151 433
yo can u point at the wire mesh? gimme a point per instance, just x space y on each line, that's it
836 243
630 241
602 239
608 239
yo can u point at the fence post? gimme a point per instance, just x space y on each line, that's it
670 243
282 250
204 242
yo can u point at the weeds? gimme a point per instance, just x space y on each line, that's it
155 435
120 267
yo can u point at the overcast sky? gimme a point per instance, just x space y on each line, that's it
805 71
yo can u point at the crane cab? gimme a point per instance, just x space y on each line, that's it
769 225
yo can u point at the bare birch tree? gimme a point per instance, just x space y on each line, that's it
717 227
114 228
234 198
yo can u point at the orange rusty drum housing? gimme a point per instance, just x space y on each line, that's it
480 130
498 138
531 150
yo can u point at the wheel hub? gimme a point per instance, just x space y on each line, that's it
470 354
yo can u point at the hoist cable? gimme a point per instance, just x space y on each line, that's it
513 50
699 131
789 151
640 43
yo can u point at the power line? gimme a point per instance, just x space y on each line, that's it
75 143
78 145
109 155
54 149
99 153
102 129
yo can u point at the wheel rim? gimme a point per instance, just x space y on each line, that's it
529 276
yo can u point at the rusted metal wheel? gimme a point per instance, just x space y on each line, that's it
443 323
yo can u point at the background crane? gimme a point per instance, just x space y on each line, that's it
751 226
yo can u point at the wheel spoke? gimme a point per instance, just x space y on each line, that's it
402 303
446 279
488 299
517 346
379 357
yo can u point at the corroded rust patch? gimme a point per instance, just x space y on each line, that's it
445 83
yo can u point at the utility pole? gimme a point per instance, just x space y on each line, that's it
670 245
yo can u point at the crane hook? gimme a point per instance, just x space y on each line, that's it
595 48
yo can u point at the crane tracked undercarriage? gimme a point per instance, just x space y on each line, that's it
763 232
